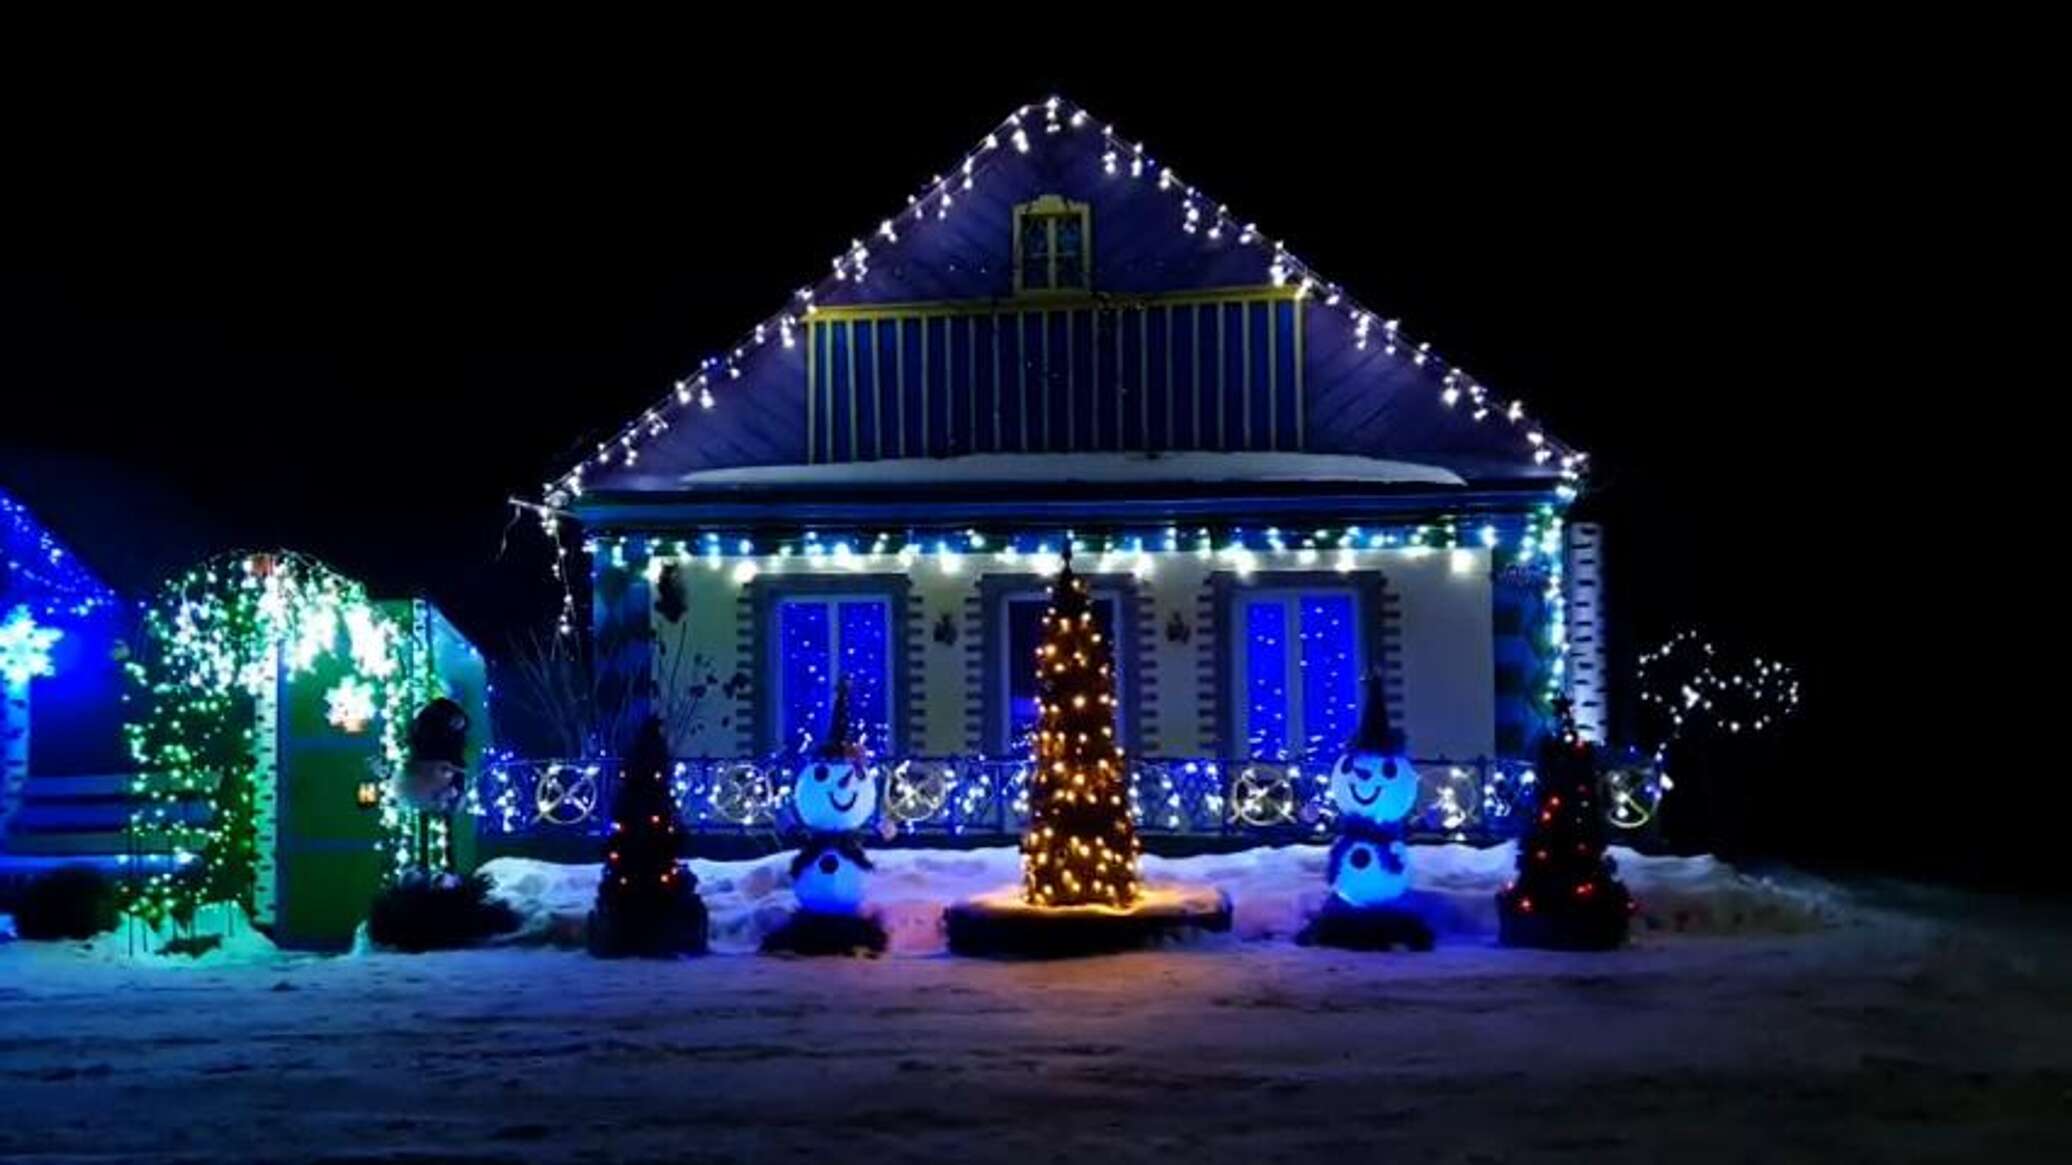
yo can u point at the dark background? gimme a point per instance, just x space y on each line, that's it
349 301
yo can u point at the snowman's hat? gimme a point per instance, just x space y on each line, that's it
1374 734
836 744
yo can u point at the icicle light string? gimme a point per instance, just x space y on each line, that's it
1020 132
37 573
1532 543
1527 542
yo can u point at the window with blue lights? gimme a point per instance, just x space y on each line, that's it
1297 673
1022 616
821 639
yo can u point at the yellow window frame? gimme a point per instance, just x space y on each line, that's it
1053 209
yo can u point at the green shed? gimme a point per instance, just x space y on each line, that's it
326 850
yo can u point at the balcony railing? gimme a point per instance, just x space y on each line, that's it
979 798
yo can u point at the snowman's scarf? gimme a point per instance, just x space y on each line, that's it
847 844
1354 830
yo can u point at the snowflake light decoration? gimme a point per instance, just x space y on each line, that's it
25 647
349 705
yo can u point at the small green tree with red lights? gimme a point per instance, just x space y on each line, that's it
647 902
1567 895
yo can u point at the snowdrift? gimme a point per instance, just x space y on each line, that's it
1273 890
135 941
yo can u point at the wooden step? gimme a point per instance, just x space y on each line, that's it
37 816
100 785
30 865
103 842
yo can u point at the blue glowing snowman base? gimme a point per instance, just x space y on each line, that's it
1365 912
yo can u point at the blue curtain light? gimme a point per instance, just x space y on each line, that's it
805 650
819 641
1330 674
864 634
1301 674
1266 677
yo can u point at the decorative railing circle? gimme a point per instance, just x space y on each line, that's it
566 794
744 794
917 790
1632 795
1263 796
1453 798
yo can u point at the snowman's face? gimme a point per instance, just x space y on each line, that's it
1377 787
1371 873
832 884
834 796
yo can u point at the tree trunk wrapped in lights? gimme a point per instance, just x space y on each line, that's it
1081 847
1567 895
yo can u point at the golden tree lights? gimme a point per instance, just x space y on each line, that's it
1080 847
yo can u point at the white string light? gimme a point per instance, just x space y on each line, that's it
936 201
1681 682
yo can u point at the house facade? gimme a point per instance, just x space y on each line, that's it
63 770
1063 347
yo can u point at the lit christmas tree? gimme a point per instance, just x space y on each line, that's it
647 902
1080 847
1566 895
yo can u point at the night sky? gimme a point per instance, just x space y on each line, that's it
351 312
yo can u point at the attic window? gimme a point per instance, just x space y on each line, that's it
1053 245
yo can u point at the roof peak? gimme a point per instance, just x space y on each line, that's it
1022 131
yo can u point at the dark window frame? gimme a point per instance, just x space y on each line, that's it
765 592
995 590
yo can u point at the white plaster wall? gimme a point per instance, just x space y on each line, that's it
949 699
710 625
1173 721
1445 625
1449 658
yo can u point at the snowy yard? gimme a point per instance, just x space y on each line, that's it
1781 1021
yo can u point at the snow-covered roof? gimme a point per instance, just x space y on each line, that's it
1077 468
1362 385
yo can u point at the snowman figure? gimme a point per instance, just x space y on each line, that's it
835 796
1374 788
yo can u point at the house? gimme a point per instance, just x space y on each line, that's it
1063 344
60 681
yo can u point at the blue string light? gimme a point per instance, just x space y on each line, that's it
38 573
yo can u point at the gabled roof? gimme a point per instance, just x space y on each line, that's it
38 572
1374 391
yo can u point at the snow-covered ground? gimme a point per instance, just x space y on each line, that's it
1272 891
1860 1023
